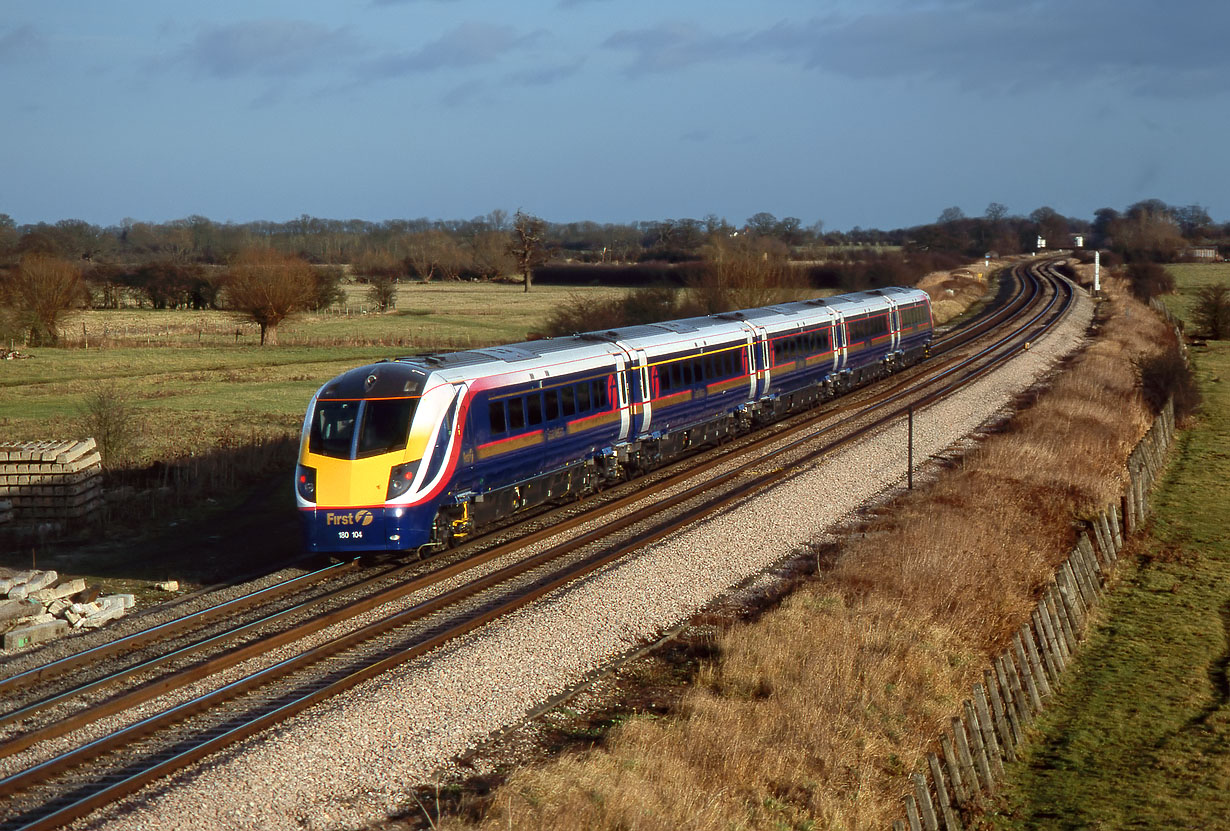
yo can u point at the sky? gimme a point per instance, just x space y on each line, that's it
871 113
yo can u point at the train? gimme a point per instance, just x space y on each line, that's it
415 454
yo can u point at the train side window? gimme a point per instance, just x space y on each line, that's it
698 370
599 395
533 409
729 356
495 411
685 373
568 401
676 375
583 397
664 378
551 403
516 413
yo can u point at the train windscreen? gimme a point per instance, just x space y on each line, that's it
383 426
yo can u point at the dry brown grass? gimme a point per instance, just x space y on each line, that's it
952 292
814 713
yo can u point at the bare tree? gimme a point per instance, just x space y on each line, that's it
744 272
529 244
489 254
40 292
267 287
434 254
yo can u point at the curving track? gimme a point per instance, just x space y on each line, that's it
405 618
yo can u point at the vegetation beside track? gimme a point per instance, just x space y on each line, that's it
1139 735
811 715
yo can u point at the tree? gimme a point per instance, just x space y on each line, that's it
489 254
40 292
529 244
1194 221
744 272
1212 310
996 212
433 254
1148 279
267 287
950 215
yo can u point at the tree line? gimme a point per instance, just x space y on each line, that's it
267 270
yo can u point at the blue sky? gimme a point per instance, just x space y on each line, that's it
876 113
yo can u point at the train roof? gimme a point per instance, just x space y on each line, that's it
601 342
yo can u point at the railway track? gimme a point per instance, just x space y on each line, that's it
372 631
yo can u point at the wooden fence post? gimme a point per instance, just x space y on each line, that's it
1026 674
983 711
1013 707
959 791
941 794
966 759
922 795
1035 663
1044 647
1007 741
1067 644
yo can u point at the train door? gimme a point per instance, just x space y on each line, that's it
623 396
642 372
894 325
762 362
841 343
635 393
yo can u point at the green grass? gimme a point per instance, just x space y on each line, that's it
1139 736
194 390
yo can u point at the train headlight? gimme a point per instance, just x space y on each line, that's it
400 478
305 482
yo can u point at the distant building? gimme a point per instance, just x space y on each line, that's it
1204 255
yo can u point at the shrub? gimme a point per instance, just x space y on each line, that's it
109 416
1167 375
1212 310
1148 280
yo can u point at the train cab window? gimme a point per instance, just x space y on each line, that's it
333 428
516 414
386 424
495 412
567 400
533 409
582 397
551 403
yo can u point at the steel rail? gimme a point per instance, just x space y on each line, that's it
534 562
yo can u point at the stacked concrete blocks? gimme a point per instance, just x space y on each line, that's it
49 481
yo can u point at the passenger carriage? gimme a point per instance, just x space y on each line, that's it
417 452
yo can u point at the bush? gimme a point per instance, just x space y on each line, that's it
1148 280
108 415
1212 311
1167 375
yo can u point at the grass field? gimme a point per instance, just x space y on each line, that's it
194 385
1140 735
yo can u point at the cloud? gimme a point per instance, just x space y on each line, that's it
672 46
467 45
20 42
1139 46
268 48
548 74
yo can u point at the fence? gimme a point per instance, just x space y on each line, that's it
1021 680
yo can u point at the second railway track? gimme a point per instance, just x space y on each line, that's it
46 792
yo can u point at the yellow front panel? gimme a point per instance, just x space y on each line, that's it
350 483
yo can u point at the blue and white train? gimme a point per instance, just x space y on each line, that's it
418 452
